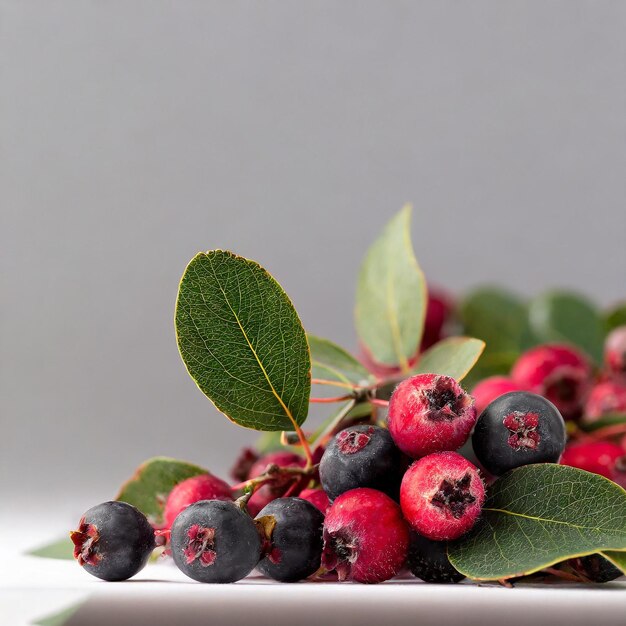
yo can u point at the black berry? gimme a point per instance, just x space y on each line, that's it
293 549
516 429
596 568
428 560
361 456
113 541
214 541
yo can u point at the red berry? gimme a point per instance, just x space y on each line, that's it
194 489
442 496
430 413
557 372
488 389
606 398
365 537
243 464
317 497
276 488
600 457
615 353
438 311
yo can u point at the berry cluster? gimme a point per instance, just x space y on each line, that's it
383 497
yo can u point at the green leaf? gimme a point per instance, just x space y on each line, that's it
606 420
617 558
269 442
242 342
331 362
615 317
498 317
561 316
490 364
149 487
62 548
538 515
453 357
391 296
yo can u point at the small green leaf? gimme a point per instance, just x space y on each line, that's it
561 316
331 362
606 420
616 317
242 342
391 296
498 317
538 515
62 548
149 487
617 558
453 357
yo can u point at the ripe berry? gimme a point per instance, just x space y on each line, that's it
438 312
243 464
360 456
429 561
488 389
114 541
430 413
606 398
293 549
316 497
615 353
600 457
596 568
516 429
365 537
442 496
214 541
559 373
276 488
194 489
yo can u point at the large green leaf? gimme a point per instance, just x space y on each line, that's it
561 316
538 515
391 296
62 548
453 357
331 362
149 487
242 342
498 317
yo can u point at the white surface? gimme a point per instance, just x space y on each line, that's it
32 588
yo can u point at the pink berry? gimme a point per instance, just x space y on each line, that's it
430 413
194 489
275 489
317 497
599 457
557 372
365 537
615 353
442 496
488 389
438 312
606 398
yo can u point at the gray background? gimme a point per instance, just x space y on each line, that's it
135 134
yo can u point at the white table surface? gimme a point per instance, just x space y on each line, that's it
32 588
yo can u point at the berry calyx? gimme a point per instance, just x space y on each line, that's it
194 489
430 413
516 429
215 541
360 456
114 541
560 373
442 496
365 537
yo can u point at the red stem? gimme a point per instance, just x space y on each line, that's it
379 402
336 399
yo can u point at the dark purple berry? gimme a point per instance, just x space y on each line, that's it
517 429
293 550
214 541
428 560
596 568
113 541
361 456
